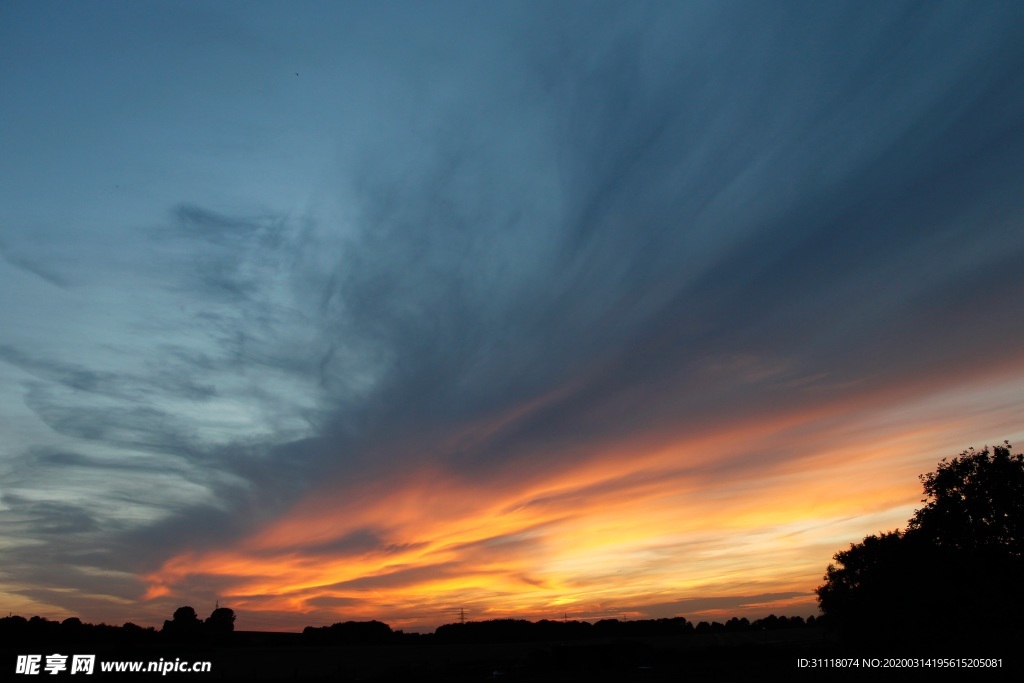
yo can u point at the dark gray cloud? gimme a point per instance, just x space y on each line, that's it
800 195
362 541
405 576
48 517
31 266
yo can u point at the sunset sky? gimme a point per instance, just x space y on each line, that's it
335 311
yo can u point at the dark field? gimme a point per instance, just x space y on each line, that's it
716 656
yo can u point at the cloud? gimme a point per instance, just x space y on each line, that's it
32 267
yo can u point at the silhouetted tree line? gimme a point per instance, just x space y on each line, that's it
955 571
519 630
769 623
184 626
349 632
19 630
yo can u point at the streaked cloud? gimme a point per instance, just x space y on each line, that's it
529 310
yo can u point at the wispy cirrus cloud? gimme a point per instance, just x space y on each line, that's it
601 308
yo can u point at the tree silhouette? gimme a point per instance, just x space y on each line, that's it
184 625
976 502
222 620
867 582
956 568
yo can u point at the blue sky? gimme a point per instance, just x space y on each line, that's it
259 261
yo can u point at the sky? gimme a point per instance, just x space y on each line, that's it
332 311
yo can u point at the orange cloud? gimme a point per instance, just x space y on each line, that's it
756 509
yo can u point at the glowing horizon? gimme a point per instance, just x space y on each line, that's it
619 534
